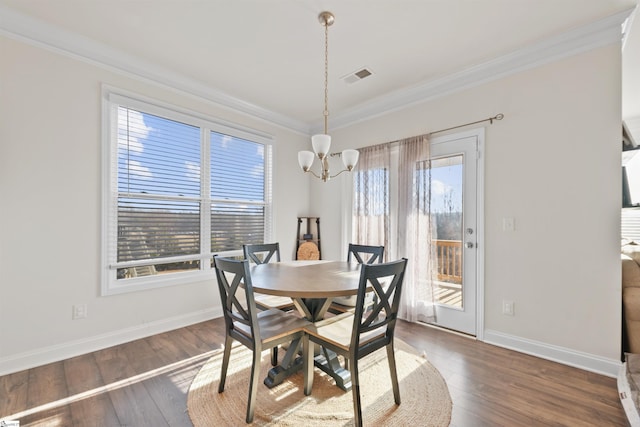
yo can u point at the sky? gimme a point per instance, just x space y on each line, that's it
161 156
446 182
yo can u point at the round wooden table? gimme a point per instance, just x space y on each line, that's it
311 285
306 279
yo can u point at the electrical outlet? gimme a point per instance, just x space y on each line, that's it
508 308
79 311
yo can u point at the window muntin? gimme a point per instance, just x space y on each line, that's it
183 190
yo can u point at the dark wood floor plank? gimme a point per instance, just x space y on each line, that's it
47 388
148 382
472 410
164 385
166 346
13 389
209 333
91 405
184 342
129 396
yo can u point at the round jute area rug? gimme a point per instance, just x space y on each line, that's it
424 394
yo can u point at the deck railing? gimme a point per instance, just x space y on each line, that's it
449 254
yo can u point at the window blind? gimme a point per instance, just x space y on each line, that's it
181 189
158 187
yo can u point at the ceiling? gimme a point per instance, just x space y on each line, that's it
267 56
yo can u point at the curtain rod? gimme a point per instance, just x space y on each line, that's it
499 116
490 120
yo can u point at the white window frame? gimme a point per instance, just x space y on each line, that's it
113 98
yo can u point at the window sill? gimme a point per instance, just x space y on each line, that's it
147 283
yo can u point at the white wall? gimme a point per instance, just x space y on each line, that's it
50 142
553 164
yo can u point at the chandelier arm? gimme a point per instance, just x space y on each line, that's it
344 170
313 173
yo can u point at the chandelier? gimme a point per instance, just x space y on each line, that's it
321 143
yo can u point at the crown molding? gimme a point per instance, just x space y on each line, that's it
38 33
581 39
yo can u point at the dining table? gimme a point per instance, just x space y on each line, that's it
312 286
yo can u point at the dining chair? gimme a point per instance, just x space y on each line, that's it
264 253
256 330
362 254
365 254
356 335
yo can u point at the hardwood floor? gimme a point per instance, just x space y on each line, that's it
145 383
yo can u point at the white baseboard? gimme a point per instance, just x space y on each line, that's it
566 356
42 356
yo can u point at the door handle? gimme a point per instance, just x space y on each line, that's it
469 245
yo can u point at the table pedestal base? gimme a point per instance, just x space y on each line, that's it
290 364
278 374
330 364
326 360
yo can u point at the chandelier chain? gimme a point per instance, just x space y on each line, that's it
322 142
326 76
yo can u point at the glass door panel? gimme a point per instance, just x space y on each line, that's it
454 180
446 207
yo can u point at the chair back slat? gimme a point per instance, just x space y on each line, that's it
365 254
262 253
233 305
238 307
381 311
386 282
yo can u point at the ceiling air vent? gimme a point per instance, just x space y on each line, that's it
356 76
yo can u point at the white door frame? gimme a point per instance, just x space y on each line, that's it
478 236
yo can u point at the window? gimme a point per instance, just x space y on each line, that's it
179 188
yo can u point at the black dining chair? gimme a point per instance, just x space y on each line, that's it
264 253
365 254
362 254
355 336
256 330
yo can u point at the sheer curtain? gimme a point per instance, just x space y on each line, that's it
370 221
372 210
415 231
